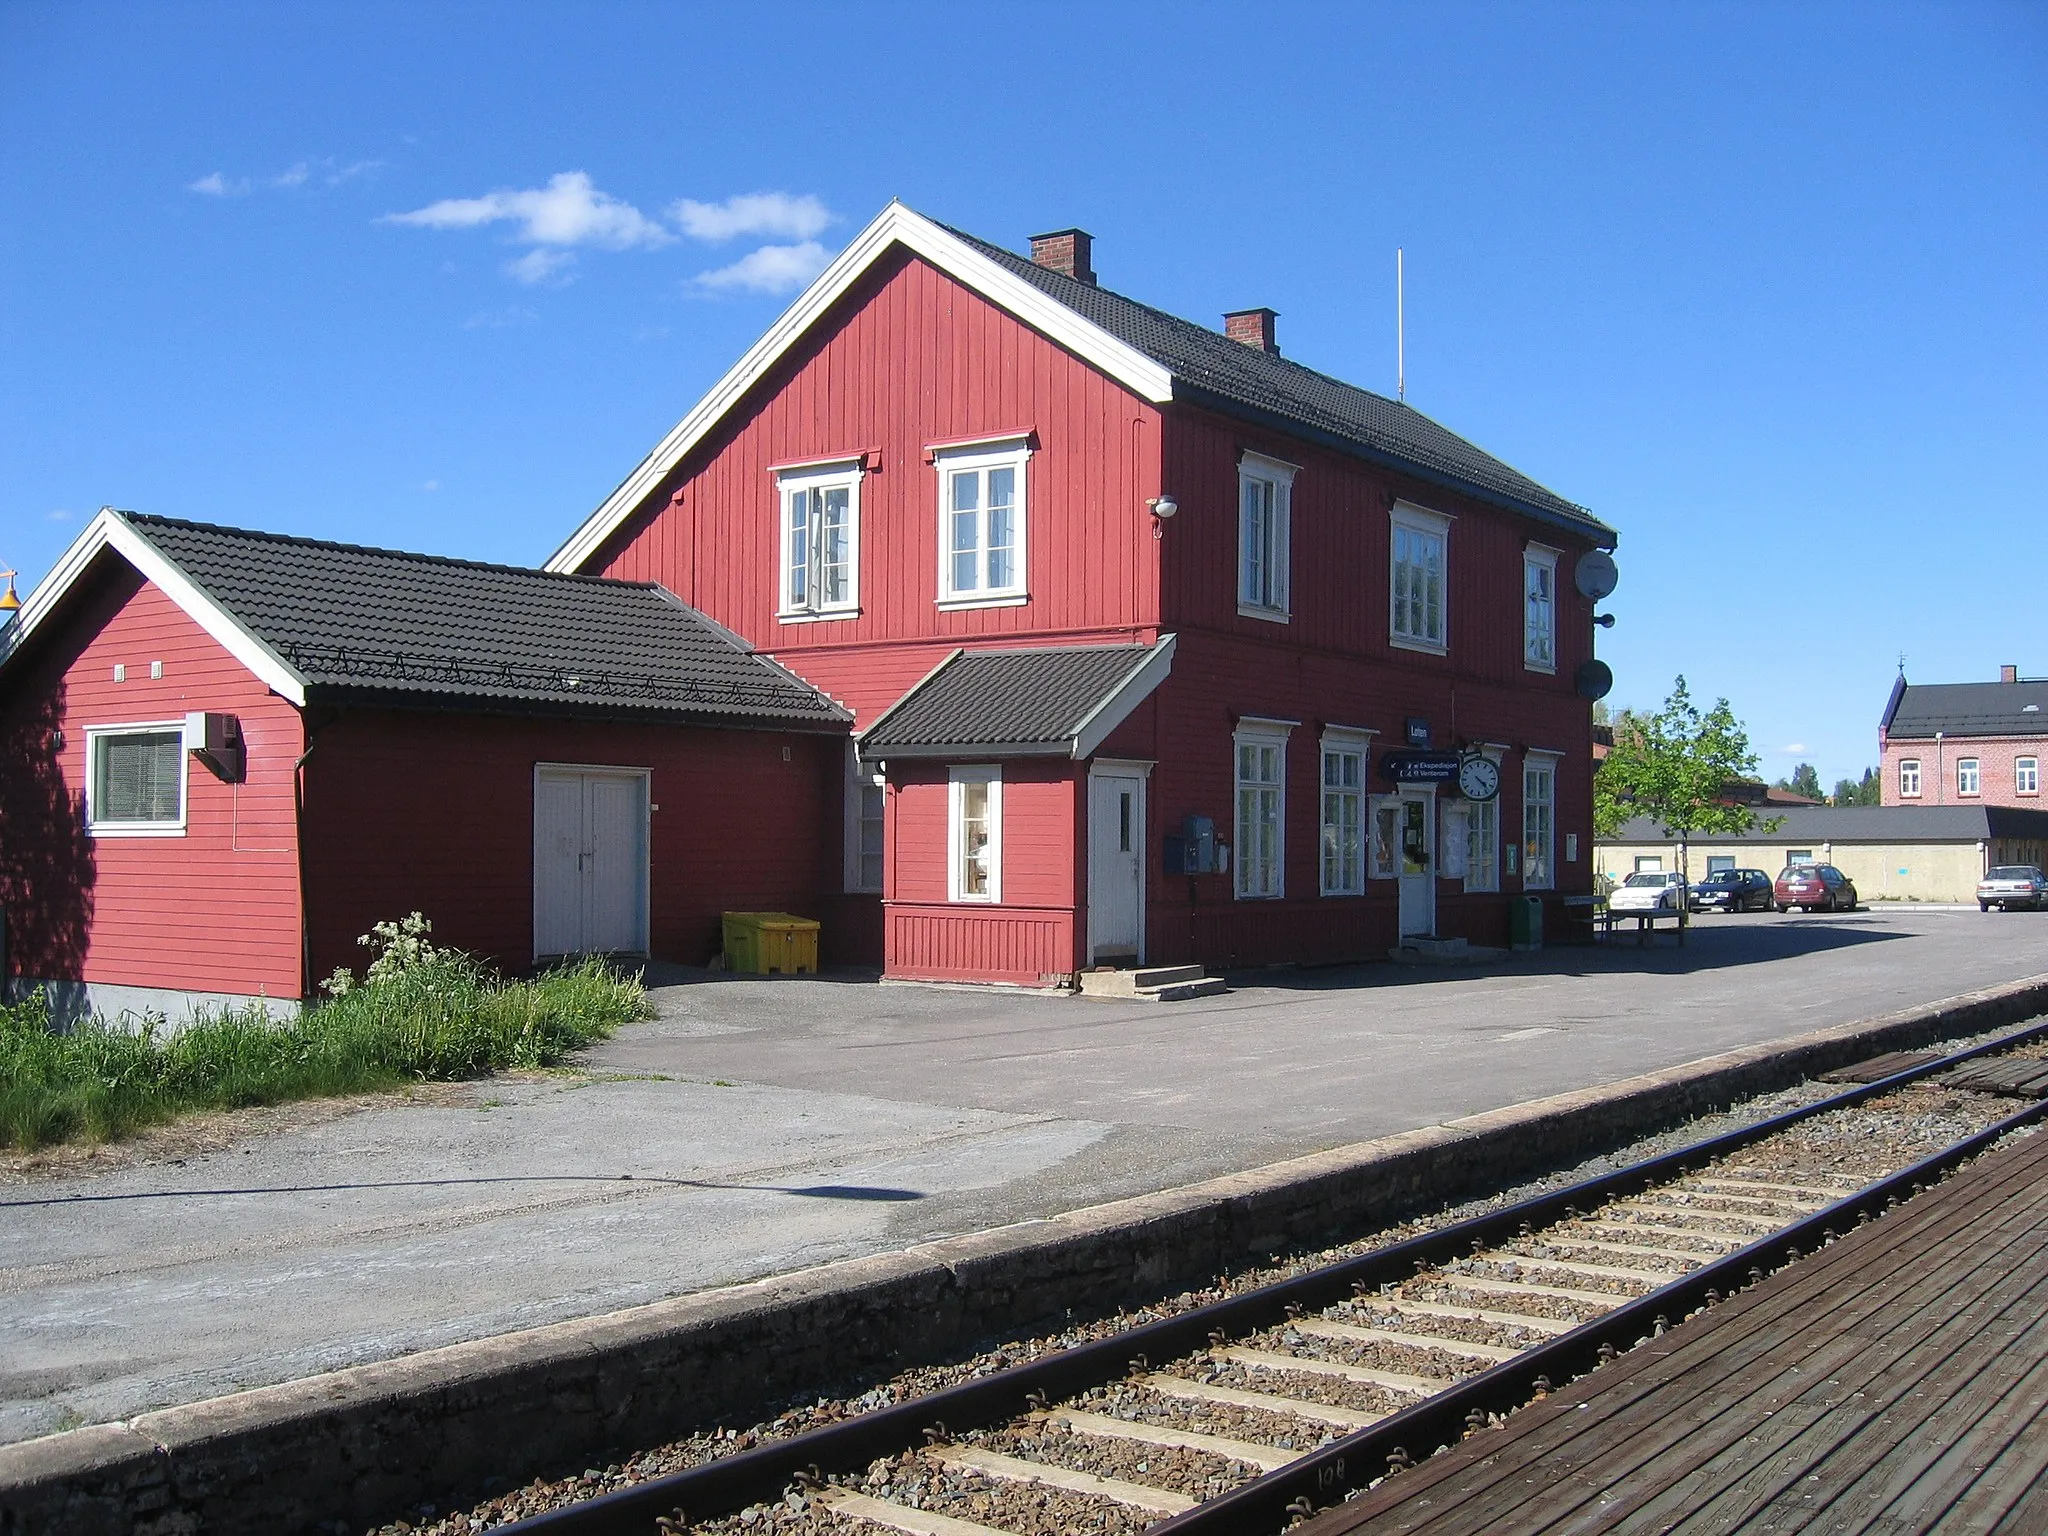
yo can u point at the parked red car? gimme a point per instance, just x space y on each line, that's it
1814 887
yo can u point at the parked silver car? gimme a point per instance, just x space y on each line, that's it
2012 885
1648 890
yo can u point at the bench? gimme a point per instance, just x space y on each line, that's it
1606 920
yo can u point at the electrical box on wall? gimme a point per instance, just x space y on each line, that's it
1193 849
216 740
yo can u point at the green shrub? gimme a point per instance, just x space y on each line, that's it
427 1015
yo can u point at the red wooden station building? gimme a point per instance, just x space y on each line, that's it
1006 625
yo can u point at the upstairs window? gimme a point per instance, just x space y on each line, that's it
1420 555
135 779
2026 775
820 541
1967 777
1909 778
1539 609
974 843
1265 494
981 524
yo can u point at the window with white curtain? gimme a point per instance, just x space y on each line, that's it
1343 816
1261 781
974 842
820 542
1539 823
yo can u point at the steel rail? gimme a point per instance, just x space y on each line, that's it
731 1483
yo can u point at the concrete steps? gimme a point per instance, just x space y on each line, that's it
1151 984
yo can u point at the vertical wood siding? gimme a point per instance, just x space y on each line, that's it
426 811
213 910
1031 935
910 358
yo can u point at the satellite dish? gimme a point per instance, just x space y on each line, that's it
1595 575
1594 680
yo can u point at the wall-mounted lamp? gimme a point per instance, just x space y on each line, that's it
1604 620
1163 507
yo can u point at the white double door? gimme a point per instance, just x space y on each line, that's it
1116 863
589 861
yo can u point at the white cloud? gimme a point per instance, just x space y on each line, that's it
539 265
214 184
60 515
337 174
1795 749
753 213
568 211
430 485
771 269
294 177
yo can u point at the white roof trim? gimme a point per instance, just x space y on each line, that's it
1137 685
894 225
109 529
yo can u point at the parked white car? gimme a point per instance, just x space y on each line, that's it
2012 885
1649 891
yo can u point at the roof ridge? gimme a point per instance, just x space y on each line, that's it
149 519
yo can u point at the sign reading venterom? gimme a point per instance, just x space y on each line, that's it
1419 767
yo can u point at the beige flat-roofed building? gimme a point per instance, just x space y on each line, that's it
1892 853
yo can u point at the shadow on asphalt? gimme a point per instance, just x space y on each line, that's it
1704 950
807 1191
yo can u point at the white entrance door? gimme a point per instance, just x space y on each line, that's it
1417 856
1116 865
589 861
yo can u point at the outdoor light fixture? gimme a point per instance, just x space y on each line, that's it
1163 507
1604 620
8 601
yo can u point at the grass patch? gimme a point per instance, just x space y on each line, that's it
441 1017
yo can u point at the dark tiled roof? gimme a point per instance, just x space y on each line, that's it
359 623
1818 824
1970 709
1008 703
1239 379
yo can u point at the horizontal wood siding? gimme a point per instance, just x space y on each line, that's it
910 358
1031 935
433 812
213 910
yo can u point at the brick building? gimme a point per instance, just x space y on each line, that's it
1965 743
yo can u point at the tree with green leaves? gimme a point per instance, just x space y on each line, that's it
1858 792
1675 767
1805 781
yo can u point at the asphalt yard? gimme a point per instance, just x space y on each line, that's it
761 1126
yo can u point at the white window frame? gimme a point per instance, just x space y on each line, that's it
979 458
1482 866
1969 776
1267 596
2026 775
1545 763
1909 778
1539 614
957 779
1421 522
1382 854
1344 742
94 825
826 475
1257 733
860 778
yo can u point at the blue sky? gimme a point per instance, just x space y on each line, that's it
1762 285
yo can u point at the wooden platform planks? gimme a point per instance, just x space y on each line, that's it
1879 1067
1894 1382
2018 1077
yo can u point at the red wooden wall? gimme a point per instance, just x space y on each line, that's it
213 910
1032 936
910 358
429 811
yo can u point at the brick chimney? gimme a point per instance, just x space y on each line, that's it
2009 673
1071 251
1253 327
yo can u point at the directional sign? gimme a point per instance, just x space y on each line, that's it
1419 767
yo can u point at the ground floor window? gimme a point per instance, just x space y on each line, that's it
1649 863
974 838
135 778
1539 822
1386 837
1716 862
1261 809
1799 856
1482 845
1454 841
1343 820
866 795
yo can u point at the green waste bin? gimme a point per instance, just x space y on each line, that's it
1525 923
770 944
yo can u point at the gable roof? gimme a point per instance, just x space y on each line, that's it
1156 356
1051 701
1816 824
1918 710
342 623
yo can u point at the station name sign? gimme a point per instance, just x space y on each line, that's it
1419 767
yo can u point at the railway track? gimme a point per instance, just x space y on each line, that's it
1247 1413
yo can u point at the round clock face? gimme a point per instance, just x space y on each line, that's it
1478 778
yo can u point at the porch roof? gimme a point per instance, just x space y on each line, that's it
1055 701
